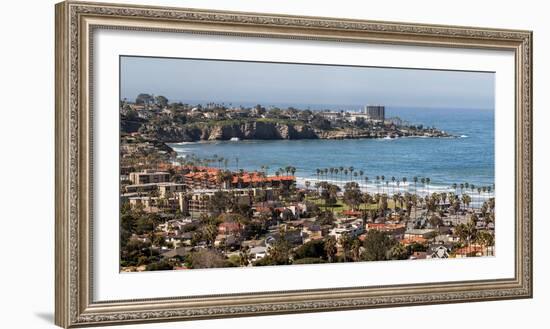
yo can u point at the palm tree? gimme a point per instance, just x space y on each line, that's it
367 199
472 187
395 197
485 239
366 183
461 188
345 242
356 249
378 184
479 195
393 181
330 248
414 200
404 179
428 184
466 199
287 170
377 199
415 180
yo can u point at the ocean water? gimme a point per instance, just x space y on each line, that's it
467 158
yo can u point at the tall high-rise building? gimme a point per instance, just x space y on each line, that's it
375 112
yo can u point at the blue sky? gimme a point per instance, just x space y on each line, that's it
192 81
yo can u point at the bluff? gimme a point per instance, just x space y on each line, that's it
247 130
261 130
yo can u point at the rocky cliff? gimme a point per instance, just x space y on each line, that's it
260 130
248 130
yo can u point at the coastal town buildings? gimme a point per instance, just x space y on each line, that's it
375 112
149 176
183 211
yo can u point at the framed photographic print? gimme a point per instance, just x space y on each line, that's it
218 164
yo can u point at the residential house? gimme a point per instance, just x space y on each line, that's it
439 251
419 233
258 252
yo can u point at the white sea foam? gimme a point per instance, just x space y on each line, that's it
392 188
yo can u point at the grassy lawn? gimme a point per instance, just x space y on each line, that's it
341 206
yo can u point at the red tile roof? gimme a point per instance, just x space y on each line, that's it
259 178
203 173
229 227
384 227
350 212
470 249
412 240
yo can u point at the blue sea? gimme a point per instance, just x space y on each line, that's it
467 158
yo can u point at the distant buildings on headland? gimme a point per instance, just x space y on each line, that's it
370 113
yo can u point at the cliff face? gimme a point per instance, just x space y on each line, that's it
249 130
257 130
266 131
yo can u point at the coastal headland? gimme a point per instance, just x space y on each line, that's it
185 123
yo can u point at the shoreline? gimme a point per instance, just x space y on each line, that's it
421 190
213 141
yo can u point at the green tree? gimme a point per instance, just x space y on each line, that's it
330 248
345 243
159 266
161 101
329 193
145 99
244 256
352 195
206 258
376 244
311 249
435 221
356 249
398 251
485 239
325 218
279 251
219 202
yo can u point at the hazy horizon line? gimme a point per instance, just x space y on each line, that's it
312 106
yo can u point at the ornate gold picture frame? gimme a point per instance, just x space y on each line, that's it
75 25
